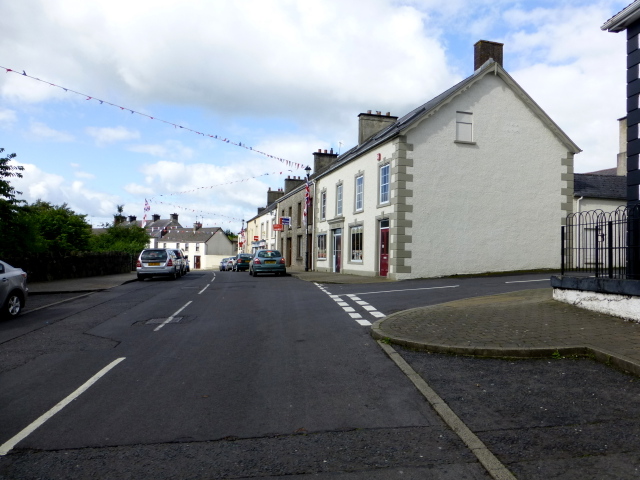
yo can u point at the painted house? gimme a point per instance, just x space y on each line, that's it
478 179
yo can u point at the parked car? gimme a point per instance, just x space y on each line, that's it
267 261
13 290
154 262
241 262
229 267
182 260
223 264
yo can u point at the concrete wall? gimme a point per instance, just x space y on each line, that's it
604 204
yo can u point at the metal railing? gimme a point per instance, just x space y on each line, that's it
602 244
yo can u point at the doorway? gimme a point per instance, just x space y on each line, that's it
337 249
384 248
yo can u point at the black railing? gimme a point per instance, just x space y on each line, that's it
602 244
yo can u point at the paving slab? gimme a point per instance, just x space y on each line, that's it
527 323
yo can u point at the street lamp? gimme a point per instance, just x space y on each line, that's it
307 200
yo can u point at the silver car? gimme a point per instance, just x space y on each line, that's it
154 262
13 290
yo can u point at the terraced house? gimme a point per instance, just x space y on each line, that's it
478 179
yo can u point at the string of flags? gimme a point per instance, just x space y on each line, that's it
231 219
220 184
221 138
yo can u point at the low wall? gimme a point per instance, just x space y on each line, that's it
620 298
45 268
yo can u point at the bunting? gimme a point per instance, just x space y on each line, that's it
221 138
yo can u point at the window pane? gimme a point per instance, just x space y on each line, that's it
464 132
384 184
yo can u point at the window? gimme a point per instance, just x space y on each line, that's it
299 223
186 247
339 200
299 246
356 244
359 193
165 245
323 205
464 127
178 245
322 247
384 183
197 247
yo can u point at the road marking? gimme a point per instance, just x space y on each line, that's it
494 467
527 281
206 286
12 442
350 310
171 317
405 290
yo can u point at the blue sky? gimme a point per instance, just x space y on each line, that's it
285 77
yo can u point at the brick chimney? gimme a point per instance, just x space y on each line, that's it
291 184
132 219
323 159
371 123
483 50
155 217
174 217
274 195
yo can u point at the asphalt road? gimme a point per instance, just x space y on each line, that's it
272 377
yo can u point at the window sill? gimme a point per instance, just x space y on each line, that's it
463 142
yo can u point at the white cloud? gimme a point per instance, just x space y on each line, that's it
106 135
171 149
7 116
56 189
40 131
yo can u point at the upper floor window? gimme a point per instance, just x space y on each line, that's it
323 205
464 127
339 200
359 193
356 243
384 183
186 247
178 245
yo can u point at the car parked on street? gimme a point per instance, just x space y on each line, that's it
267 261
229 266
223 264
155 262
241 262
182 260
13 290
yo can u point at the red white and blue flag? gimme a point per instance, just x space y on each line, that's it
307 202
146 209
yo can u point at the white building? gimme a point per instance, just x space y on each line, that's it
479 179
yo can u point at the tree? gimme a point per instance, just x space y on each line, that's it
61 229
18 233
120 238
6 171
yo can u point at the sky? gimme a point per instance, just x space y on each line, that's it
199 107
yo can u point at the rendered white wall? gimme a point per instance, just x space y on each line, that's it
493 206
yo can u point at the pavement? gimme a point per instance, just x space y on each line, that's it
523 324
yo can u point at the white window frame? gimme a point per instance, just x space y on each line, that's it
359 193
385 183
464 127
323 205
322 246
356 235
339 191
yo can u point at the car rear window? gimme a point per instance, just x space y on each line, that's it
154 256
269 254
245 255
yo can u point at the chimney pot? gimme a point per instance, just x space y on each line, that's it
388 114
325 151
368 111
319 150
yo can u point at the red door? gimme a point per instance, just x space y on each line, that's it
384 248
196 261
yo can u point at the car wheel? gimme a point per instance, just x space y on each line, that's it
254 273
13 305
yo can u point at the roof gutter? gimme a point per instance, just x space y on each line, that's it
622 20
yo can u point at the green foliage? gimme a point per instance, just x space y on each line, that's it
61 229
7 192
119 238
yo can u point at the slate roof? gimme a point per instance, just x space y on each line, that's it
600 186
187 235
403 122
606 171
621 20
